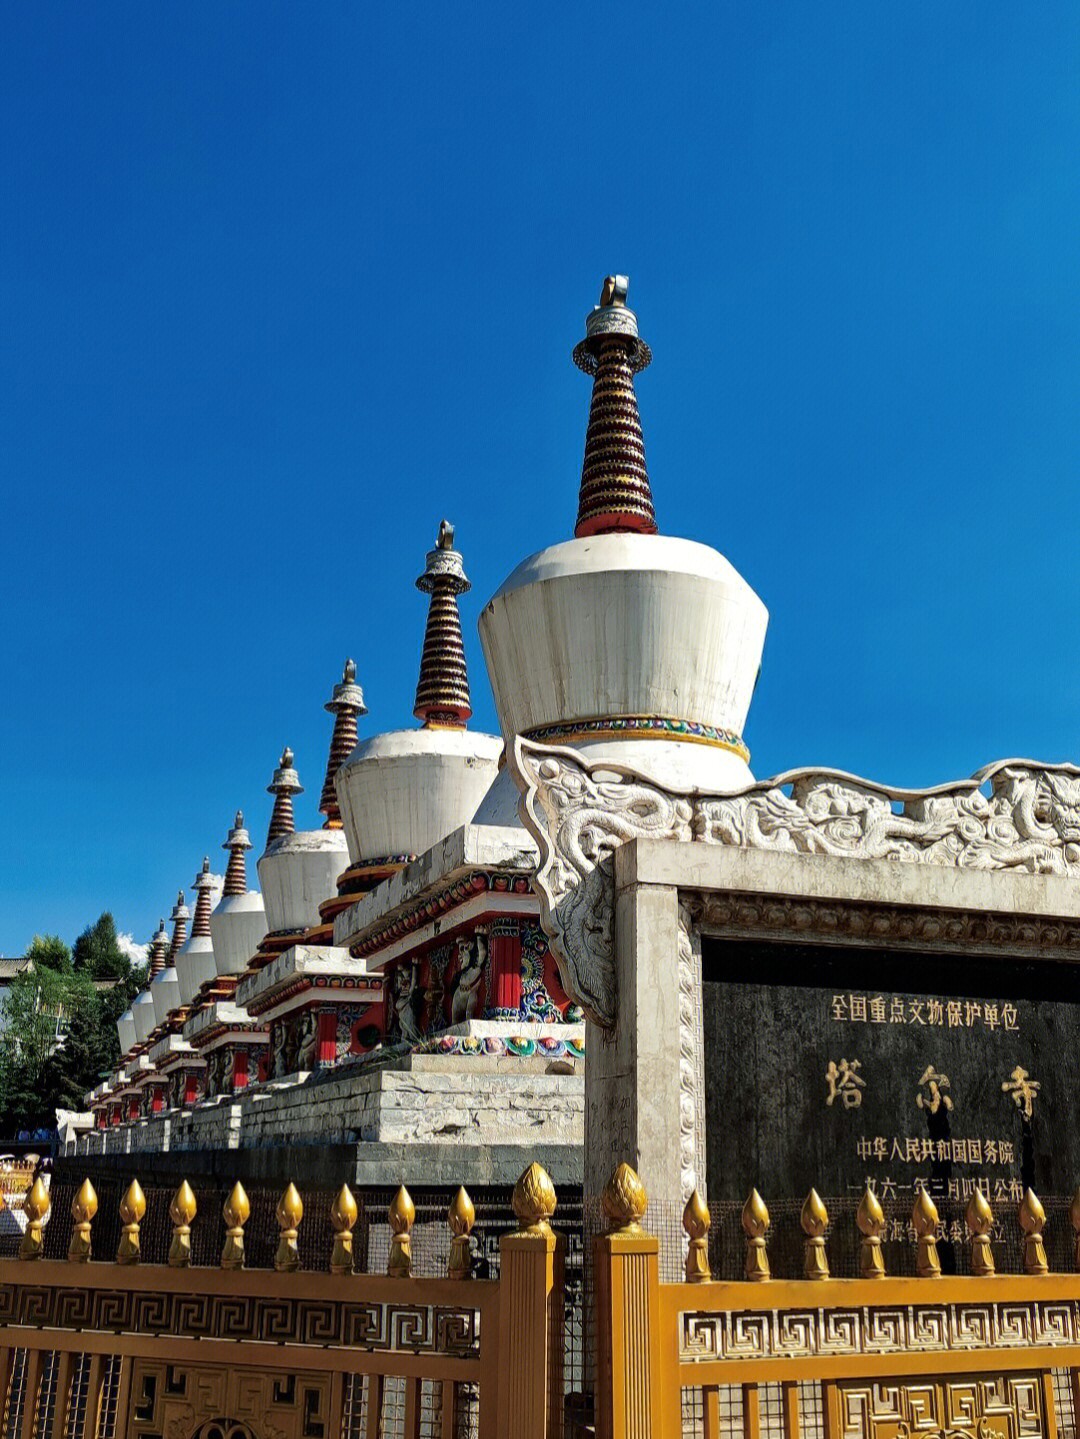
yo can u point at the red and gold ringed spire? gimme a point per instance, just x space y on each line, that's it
442 694
346 704
615 491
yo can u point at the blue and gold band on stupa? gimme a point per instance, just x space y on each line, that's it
640 727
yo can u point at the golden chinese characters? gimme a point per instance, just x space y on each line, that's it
845 1082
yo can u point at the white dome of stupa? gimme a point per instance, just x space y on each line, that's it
403 791
165 987
195 962
142 1006
622 643
238 923
299 869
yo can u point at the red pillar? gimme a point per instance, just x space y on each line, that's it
240 1069
326 1053
504 971
133 1109
157 1099
191 1087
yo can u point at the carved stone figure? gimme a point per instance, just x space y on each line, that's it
472 955
406 998
308 1039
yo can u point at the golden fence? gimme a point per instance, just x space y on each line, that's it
109 1347
978 1356
124 1350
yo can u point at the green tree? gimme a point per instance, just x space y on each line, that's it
97 951
34 1013
48 951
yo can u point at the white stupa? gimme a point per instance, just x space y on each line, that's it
165 987
142 1008
622 643
195 962
299 869
238 923
403 791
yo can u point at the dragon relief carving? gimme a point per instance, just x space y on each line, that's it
1013 815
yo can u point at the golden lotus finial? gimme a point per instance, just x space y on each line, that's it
290 1208
182 1208
461 1216
624 1200
979 1218
534 1199
235 1210
870 1218
814 1219
85 1204
343 1215
83 1208
1032 1218
133 1204
755 1223
132 1209
35 1207
924 1218
402 1212
402 1218
755 1216
37 1201
695 1221
182 1211
290 1211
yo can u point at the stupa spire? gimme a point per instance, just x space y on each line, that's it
159 948
283 786
204 893
236 870
442 694
346 704
615 492
179 919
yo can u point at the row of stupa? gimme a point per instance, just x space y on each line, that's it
400 943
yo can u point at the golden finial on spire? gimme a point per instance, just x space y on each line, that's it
624 1200
814 1221
132 1209
402 1219
979 1218
870 1217
83 1208
534 1199
755 1223
343 1217
35 1207
1032 1218
696 1221
924 1217
236 1211
182 1211
461 1217
290 1211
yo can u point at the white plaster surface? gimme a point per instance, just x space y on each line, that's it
297 873
142 1013
194 965
402 792
299 960
125 1028
237 927
628 624
165 993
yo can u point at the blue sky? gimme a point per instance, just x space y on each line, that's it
281 285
